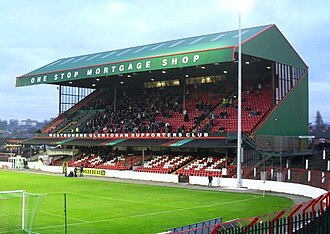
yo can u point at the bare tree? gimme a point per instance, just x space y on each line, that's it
319 121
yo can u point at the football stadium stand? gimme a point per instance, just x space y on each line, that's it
121 163
172 108
162 111
179 97
164 164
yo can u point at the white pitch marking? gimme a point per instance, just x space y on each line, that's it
118 199
150 214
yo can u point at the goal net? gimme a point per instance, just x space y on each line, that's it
17 211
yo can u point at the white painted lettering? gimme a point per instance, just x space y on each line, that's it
185 59
174 61
105 70
130 66
138 65
164 62
196 58
148 64
32 80
90 72
75 74
121 68
97 71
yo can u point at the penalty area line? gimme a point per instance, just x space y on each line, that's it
123 200
61 216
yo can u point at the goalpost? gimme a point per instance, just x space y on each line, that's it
17 211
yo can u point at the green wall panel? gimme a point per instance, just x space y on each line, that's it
290 118
272 45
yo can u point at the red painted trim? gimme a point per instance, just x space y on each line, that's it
234 52
290 217
255 35
313 205
258 33
253 222
218 226
308 205
129 60
216 229
271 224
265 118
278 216
295 211
250 38
323 202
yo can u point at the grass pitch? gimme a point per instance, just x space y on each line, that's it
95 206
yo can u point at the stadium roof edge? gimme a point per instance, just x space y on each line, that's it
191 51
293 49
176 42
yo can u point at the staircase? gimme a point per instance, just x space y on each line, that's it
265 154
61 121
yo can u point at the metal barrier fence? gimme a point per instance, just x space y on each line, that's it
311 223
310 218
203 227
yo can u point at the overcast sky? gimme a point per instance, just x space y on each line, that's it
36 32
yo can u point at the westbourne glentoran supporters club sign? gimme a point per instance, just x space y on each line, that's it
128 135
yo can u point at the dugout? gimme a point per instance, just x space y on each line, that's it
17 162
268 59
